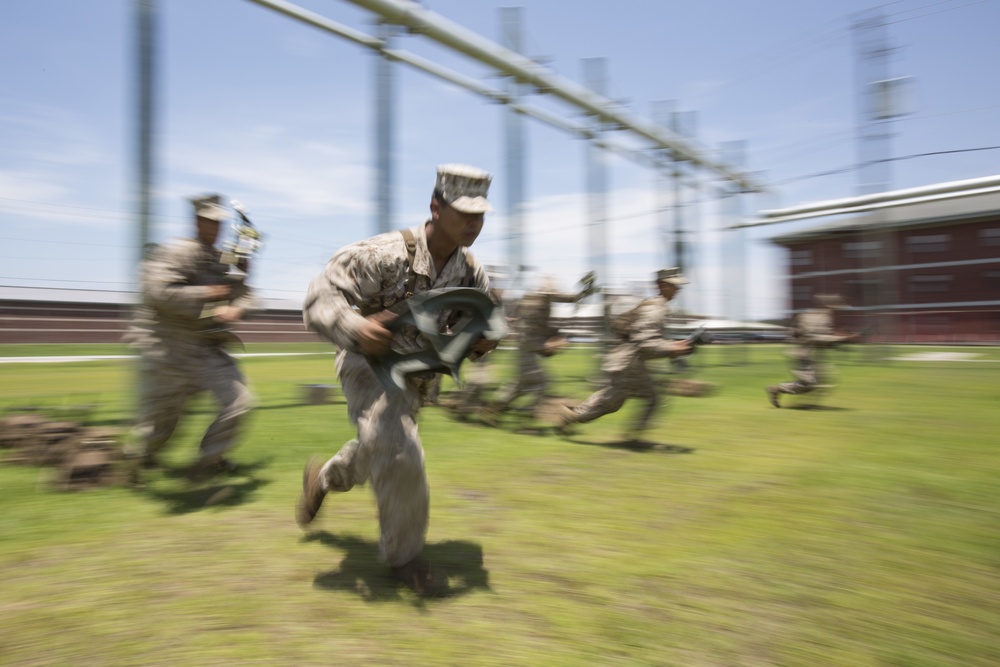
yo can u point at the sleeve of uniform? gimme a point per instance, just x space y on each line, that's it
245 298
165 281
647 331
350 278
560 297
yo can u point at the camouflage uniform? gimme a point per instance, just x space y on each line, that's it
183 353
624 366
361 279
812 332
534 329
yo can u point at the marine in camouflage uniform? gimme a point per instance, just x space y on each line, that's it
347 304
625 363
812 333
536 339
180 330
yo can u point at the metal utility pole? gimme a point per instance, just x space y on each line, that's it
597 207
733 266
663 114
734 261
145 13
879 103
384 102
875 112
675 234
510 32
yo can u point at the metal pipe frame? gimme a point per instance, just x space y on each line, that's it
525 71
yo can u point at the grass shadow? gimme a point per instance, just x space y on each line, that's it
359 572
242 469
817 406
634 445
222 491
218 494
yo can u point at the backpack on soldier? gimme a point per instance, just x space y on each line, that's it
620 323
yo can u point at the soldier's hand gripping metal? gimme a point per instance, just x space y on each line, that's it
248 242
697 338
480 319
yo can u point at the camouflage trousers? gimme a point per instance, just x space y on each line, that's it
388 453
531 379
808 377
167 383
619 386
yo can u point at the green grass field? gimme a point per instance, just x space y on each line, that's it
865 532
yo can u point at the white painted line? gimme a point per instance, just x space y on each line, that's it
111 357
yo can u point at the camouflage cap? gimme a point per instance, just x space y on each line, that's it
672 276
208 206
830 300
464 187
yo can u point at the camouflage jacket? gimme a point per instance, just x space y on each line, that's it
369 276
645 337
175 277
533 317
812 330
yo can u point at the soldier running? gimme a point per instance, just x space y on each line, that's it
347 304
180 330
638 337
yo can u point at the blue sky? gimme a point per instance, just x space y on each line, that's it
279 115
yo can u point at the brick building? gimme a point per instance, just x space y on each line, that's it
922 269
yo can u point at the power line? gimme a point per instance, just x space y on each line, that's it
949 113
68 289
57 280
940 11
95 245
842 170
76 214
957 150
915 9
63 259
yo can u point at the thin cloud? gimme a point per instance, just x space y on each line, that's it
298 177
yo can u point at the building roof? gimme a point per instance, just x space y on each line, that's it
957 209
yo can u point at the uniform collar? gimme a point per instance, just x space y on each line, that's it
422 262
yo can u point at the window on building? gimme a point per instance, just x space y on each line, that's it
928 243
989 236
925 284
862 249
802 257
991 279
862 292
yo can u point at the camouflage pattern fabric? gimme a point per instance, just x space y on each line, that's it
534 329
181 352
625 366
812 332
361 279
